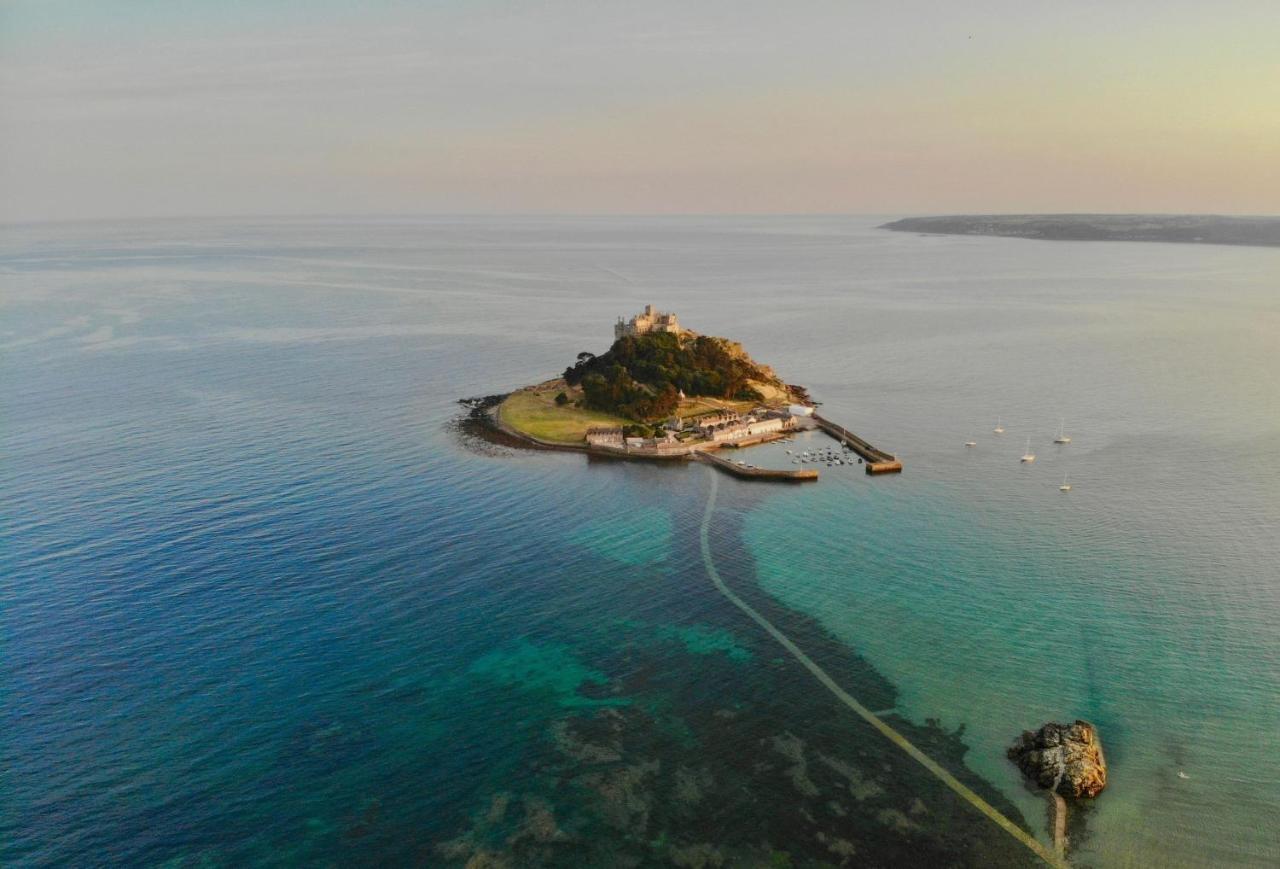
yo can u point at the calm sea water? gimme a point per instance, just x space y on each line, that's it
264 603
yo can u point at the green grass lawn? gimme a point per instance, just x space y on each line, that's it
696 405
535 412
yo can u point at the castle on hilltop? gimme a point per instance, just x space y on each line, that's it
648 320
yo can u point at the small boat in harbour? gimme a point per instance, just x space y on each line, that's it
1065 487
1062 437
1028 457
999 429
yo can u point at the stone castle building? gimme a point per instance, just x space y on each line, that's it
648 320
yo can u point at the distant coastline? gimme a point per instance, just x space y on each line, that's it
1170 228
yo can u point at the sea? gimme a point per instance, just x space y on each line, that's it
268 598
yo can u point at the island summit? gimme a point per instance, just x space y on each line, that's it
665 392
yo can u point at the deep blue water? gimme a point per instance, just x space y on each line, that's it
264 603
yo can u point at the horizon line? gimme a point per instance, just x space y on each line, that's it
419 215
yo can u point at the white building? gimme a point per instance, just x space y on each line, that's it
606 437
750 427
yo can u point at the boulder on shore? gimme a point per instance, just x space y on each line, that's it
1066 758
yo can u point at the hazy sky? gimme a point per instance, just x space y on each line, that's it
171 107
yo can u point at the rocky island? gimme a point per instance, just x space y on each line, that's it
664 392
660 391
1064 758
1176 228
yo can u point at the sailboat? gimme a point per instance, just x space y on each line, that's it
999 429
1062 438
1028 456
1065 487
971 442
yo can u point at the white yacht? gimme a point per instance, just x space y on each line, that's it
1065 487
999 429
1062 437
970 443
1028 456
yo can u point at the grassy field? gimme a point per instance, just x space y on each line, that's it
535 412
691 407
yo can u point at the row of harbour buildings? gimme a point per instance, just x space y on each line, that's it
708 431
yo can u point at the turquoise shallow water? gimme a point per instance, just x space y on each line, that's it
263 603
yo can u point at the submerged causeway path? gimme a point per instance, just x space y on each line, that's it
848 700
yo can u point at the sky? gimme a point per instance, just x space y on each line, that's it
126 108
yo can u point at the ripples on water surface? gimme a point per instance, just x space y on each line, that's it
262 604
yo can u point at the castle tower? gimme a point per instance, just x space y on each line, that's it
648 320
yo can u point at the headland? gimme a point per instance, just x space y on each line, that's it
1170 228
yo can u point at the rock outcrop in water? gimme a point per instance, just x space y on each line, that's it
1064 758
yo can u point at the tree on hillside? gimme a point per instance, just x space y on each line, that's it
641 376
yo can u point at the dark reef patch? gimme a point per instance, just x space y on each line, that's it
722 759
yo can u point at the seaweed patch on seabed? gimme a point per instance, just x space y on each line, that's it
777 772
